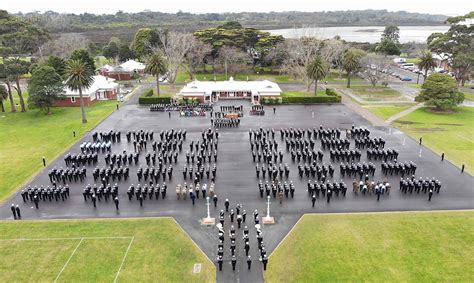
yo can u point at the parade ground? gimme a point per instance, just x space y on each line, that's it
236 181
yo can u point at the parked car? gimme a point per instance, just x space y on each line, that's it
406 79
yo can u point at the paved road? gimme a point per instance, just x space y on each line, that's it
236 179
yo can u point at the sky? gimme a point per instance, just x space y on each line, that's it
450 8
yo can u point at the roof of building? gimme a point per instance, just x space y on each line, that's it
132 65
100 83
207 87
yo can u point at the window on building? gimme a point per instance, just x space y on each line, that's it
73 99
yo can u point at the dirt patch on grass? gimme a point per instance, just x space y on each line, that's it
427 130
448 124
406 122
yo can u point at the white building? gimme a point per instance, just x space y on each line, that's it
212 91
102 88
133 67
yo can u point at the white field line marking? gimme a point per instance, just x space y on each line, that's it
69 259
123 260
286 236
58 239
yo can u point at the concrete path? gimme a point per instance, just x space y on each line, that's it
403 113
236 178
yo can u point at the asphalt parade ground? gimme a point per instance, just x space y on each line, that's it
236 179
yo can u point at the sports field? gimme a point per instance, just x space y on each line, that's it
131 250
377 247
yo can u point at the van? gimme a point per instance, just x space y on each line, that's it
408 66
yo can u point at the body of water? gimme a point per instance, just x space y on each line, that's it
370 34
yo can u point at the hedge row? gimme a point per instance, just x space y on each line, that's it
311 99
153 100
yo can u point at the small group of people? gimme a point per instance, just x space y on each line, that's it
371 187
225 122
274 188
257 110
412 185
325 190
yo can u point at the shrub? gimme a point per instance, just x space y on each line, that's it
331 92
148 93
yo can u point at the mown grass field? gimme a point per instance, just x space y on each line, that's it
93 251
302 93
386 112
451 133
377 247
377 93
26 137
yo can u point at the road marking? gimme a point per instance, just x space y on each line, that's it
123 260
59 239
69 259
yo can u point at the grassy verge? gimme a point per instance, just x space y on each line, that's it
160 252
398 247
26 137
468 95
386 112
451 133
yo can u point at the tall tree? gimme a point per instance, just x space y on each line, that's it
426 63
125 53
63 45
79 77
440 91
457 46
58 64
195 56
232 58
45 88
351 63
388 47
317 70
156 66
145 40
111 51
3 97
392 33
84 56
5 78
16 67
174 46
300 52
374 68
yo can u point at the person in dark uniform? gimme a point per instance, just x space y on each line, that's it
94 200
264 261
116 201
220 261
430 194
329 195
13 211
18 212
234 262
249 262
313 199
36 201
214 198
226 203
140 198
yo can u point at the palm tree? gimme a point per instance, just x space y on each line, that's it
426 63
79 77
156 66
317 70
3 96
351 63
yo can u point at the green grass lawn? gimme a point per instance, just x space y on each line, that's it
386 112
334 77
302 93
26 137
377 247
413 60
451 133
468 95
159 251
377 93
